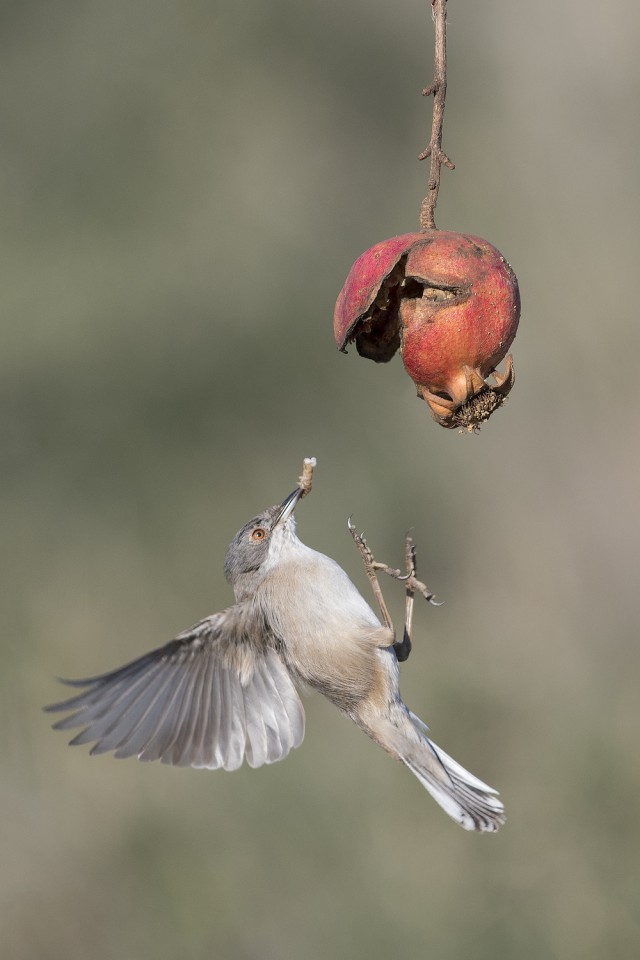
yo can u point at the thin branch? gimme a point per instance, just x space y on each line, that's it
439 90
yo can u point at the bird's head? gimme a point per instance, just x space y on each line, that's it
258 545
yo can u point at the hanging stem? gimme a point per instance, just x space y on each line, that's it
439 90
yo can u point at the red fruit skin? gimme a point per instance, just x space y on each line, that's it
363 282
450 303
474 329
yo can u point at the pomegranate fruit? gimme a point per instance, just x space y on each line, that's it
450 303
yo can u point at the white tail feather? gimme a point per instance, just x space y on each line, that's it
469 801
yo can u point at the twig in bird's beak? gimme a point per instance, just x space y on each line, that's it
305 481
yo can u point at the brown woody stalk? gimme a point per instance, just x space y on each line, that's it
439 90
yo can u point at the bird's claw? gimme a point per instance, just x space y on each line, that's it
409 578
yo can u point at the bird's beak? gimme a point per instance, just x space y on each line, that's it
288 506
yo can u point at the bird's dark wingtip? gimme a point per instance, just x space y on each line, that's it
84 682
64 704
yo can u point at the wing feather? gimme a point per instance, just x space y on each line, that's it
212 730
236 740
258 721
216 695
203 714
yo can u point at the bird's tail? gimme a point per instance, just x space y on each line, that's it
472 803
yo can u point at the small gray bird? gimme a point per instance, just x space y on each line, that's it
224 691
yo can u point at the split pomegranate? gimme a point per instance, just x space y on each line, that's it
450 303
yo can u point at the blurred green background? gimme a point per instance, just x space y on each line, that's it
185 186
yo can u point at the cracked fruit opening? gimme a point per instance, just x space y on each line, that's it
449 302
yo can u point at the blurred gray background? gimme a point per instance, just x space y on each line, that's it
185 186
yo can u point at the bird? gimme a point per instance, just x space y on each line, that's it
225 690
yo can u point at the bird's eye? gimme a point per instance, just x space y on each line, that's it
258 534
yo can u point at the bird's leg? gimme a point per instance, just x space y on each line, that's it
370 566
404 649
412 584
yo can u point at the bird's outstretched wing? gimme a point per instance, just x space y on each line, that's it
216 694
